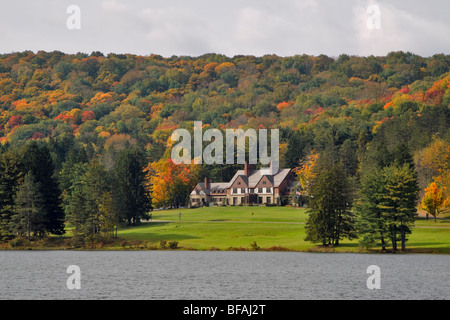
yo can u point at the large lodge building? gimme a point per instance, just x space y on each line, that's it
247 187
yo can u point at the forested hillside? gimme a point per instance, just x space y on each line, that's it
96 116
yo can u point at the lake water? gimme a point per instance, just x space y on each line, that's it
177 275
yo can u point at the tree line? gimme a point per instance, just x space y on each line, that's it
86 196
380 209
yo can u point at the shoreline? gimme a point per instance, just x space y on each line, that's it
239 249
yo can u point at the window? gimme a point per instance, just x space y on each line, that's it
268 200
239 183
264 182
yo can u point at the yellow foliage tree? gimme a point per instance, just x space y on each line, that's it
433 200
305 172
171 183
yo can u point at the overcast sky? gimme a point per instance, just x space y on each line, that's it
248 27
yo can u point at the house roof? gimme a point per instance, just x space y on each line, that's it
256 175
251 180
213 186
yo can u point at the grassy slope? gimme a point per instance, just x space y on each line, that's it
237 227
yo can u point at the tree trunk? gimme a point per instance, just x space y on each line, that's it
403 236
28 227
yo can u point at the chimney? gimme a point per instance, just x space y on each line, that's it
247 169
207 181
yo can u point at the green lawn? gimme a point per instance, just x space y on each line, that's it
238 213
238 227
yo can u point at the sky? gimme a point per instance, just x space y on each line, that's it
233 27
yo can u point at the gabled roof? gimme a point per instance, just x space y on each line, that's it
213 186
251 180
256 175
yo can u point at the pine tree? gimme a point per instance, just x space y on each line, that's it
294 152
388 198
29 215
370 222
38 160
130 195
96 184
398 203
330 215
10 176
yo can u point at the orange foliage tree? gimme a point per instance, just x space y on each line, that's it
171 183
433 200
305 172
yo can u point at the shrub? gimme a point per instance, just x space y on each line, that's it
18 242
254 246
173 244
162 244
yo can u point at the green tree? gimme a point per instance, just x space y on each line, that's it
399 202
371 225
38 160
75 202
297 148
29 215
86 203
130 195
10 176
96 184
109 217
330 215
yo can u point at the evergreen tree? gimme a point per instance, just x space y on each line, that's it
398 203
388 198
402 155
96 184
10 176
295 150
87 202
109 217
330 216
370 221
75 203
29 215
130 194
37 160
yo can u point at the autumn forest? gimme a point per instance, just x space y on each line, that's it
84 138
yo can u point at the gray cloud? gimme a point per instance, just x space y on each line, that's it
180 27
